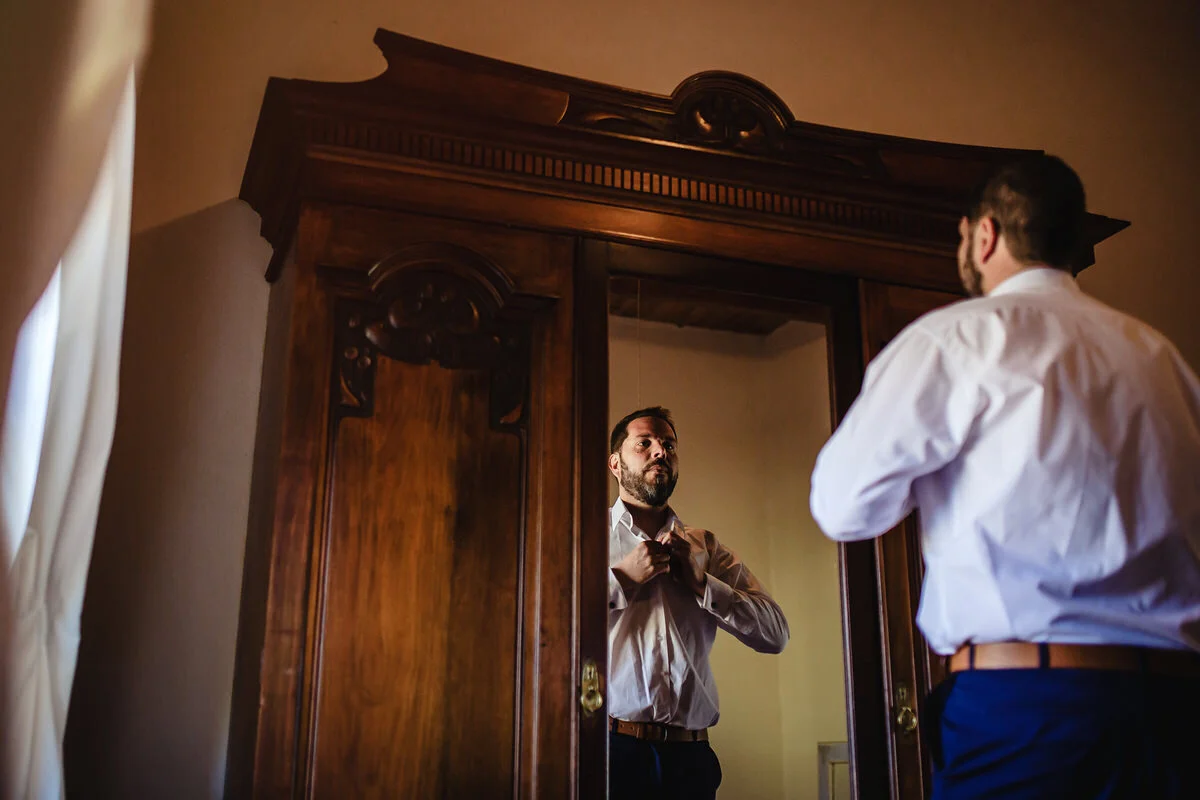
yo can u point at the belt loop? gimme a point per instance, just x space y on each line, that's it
971 656
1043 656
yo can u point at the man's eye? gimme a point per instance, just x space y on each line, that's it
670 447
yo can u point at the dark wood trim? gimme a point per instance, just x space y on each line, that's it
866 701
549 703
244 724
419 189
900 641
276 628
591 437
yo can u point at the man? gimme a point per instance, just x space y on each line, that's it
1052 447
670 587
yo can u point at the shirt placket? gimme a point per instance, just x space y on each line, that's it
662 666
665 700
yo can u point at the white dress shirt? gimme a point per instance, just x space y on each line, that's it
660 635
1052 447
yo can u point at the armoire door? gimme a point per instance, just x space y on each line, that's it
418 634
911 669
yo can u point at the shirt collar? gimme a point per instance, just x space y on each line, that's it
620 515
1036 279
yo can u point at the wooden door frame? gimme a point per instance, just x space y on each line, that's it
719 169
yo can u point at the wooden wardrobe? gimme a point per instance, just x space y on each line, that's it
424 599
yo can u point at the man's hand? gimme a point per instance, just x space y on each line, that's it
684 568
646 561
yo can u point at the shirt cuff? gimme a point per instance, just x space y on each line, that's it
616 595
718 597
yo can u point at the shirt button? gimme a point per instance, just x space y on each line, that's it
612 605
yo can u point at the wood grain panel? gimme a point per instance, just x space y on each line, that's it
417 672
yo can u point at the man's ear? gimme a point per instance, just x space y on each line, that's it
614 465
987 238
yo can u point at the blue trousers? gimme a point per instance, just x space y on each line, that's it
1064 734
642 770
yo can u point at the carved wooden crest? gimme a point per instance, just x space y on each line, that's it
444 304
715 108
726 111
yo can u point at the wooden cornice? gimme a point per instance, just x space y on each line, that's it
722 146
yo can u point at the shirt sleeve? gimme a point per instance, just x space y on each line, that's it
740 603
914 413
617 601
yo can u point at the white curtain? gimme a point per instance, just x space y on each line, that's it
57 433
63 68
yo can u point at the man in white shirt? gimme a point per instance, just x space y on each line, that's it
670 586
1052 447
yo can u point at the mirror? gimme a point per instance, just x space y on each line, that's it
748 389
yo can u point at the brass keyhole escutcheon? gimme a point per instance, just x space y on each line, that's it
591 692
906 718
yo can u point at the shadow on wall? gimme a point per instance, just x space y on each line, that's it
150 705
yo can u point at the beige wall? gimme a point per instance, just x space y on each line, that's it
1110 85
752 412
793 387
150 706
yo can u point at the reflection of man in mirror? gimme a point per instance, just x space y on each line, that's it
1052 447
670 587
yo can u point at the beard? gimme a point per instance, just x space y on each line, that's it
968 270
653 490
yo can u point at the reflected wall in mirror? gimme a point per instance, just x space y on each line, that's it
749 394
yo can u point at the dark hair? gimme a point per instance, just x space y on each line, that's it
1038 204
620 431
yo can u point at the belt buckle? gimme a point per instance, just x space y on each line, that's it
654 733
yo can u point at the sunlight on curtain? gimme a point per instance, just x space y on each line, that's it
25 420
57 434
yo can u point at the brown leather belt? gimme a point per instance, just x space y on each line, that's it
654 732
1028 655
